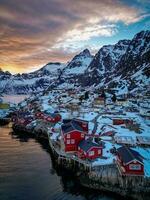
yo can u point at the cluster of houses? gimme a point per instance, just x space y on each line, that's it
74 133
76 140
26 117
49 117
132 141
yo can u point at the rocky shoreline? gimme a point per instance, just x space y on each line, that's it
105 178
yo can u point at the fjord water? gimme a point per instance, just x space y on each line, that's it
27 173
14 98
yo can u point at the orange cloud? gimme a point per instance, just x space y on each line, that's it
36 32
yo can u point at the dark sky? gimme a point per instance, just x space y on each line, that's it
35 32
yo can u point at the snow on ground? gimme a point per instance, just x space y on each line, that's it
104 120
89 116
100 161
100 120
108 158
123 131
3 112
91 126
106 138
54 136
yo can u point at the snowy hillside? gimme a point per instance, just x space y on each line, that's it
79 63
124 66
108 57
31 82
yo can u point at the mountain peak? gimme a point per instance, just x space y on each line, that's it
85 52
142 34
54 63
123 42
123 66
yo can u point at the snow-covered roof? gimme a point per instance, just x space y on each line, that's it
75 120
86 145
128 155
71 126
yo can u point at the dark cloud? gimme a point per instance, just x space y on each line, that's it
30 28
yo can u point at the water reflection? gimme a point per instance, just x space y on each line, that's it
14 98
29 171
68 181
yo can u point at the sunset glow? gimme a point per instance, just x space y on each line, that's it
35 33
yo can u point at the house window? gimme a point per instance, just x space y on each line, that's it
99 151
82 135
68 136
135 167
91 153
72 141
68 141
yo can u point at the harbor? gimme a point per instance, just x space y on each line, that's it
104 171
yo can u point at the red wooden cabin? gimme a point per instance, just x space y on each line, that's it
89 149
39 115
50 117
72 134
80 122
122 121
129 162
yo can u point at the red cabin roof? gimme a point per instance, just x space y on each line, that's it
78 124
71 126
75 120
128 155
86 145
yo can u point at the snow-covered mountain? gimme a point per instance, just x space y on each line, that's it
75 69
78 64
124 66
30 82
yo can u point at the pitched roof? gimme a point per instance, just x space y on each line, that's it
128 155
75 120
70 126
87 144
52 115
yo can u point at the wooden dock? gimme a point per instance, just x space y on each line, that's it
70 158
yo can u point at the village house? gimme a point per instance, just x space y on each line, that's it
50 117
82 123
39 115
90 150
120 121
129 162
123 139
143 140
72 133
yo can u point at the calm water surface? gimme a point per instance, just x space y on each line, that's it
14 98
27 173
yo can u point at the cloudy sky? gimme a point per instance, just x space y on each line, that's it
35 32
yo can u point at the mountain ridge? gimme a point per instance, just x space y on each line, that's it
125 64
